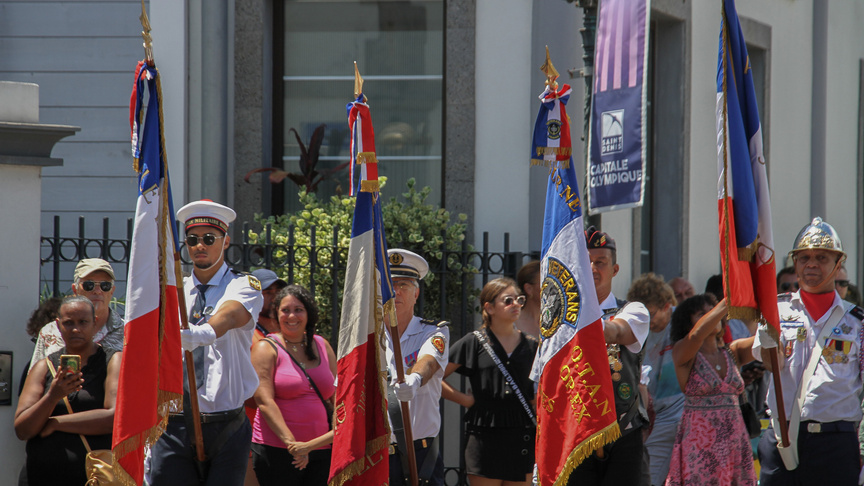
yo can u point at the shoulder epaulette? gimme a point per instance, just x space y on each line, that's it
858 313
620 303
785 297
253 281
433 322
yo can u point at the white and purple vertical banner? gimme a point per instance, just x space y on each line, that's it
617 133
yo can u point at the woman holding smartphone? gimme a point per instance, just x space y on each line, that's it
55 451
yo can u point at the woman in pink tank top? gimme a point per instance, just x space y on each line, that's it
291 433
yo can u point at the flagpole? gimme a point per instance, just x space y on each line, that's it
178 275
778 394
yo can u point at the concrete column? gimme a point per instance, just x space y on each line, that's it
25 147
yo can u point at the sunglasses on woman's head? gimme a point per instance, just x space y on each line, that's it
508 301
208 239
89 285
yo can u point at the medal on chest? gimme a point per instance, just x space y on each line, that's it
615 366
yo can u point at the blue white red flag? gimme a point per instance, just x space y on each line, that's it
362 142
151 376
362 435
575 400
746 239
551 145
617 148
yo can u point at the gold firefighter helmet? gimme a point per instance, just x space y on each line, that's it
818 235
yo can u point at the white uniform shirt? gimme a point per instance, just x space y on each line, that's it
636 314
229 376
833 391
417 341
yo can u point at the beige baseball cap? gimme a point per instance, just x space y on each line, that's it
89 265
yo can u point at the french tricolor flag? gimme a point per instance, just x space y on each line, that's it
746 239
360 444
151 375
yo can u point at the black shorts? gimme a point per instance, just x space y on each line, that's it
500 453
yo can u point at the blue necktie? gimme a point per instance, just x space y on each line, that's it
196 317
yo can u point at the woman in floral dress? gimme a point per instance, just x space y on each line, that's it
711 447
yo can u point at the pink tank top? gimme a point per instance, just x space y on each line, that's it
302 410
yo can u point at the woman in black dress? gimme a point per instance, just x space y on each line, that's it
500 425
55 452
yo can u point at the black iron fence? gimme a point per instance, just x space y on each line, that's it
60 253
323 263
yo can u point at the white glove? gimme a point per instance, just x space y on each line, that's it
861 477
196 336
406 392
764 338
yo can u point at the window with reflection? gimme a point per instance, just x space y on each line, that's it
398 46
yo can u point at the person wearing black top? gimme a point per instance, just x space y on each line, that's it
55 452
500 424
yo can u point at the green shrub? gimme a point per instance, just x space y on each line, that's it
409 222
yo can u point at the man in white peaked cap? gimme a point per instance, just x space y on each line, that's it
223 306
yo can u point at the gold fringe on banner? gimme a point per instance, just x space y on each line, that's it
747 253
369 186
367 158
744 313
568 151
558 164
606 436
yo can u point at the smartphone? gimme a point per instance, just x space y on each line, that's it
71 363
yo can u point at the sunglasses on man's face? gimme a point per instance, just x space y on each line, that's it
789 286
208 239
841 283
89 285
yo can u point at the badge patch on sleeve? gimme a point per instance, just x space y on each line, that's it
438 342
254 283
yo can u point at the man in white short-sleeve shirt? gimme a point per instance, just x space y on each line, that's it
425 347
223 306
827 438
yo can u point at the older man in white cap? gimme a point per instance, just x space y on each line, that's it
821 369
425 350
94 279
223 305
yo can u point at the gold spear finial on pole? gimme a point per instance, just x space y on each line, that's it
550 71
148 41
358 83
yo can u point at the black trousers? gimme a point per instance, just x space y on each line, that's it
273 466
397 475
621 464
825 458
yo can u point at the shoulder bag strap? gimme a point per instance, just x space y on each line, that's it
485 342
311 381
795 421
66 401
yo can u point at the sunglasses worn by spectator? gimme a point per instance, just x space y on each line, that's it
787 286
208 239
841 283
508 301
89 285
